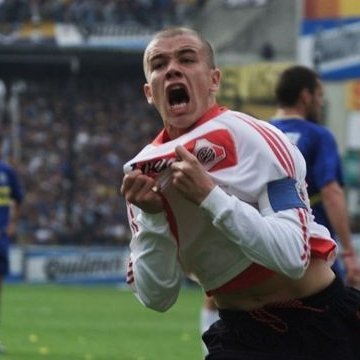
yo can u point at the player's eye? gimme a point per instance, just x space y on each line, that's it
187 60
156 65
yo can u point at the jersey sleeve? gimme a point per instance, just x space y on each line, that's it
154 272
277 240
271 229
15 190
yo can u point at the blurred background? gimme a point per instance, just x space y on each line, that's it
72 109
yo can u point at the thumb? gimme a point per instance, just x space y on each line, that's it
182 153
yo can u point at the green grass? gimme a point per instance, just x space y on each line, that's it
96 323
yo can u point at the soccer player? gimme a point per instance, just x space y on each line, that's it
300 94
11 197
221 196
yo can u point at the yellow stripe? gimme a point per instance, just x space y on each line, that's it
315 199
5 199
4 190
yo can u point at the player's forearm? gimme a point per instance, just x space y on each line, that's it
15 211
278 242
156 271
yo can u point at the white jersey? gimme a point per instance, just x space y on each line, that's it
256 222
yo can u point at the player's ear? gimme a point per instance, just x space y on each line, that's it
147 92
305 96
215 80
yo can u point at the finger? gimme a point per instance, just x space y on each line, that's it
130 176
133 182
127 182
182 153
142 185
124 184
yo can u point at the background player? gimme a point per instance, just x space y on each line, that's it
300 96
11 197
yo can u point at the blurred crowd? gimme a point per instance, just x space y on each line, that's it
74 140
90 12
69 139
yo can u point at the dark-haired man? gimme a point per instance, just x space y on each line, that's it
300 96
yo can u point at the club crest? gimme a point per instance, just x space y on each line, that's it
208 153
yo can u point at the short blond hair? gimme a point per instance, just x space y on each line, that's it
178 31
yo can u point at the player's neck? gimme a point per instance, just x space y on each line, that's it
288 113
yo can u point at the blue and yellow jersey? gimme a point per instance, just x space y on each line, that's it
319 148
10 190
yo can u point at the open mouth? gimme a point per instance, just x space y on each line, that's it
178 98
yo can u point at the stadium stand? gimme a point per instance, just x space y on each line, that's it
72 152
241 43
69 135
155 13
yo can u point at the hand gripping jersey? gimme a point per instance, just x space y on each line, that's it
255 222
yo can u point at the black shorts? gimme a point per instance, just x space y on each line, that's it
325 326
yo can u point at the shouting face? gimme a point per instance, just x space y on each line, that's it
181 80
